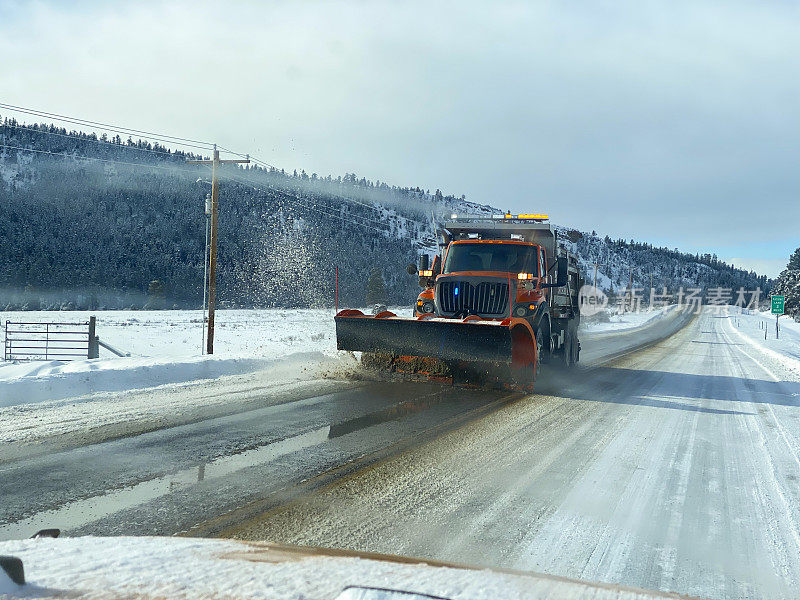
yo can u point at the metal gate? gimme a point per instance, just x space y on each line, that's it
50 341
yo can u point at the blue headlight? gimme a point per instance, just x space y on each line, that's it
455 292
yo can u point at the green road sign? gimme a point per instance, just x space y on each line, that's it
777 305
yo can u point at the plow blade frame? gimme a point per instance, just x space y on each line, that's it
445 339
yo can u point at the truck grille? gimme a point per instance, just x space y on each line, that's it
485 298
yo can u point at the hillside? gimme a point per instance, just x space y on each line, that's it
93 229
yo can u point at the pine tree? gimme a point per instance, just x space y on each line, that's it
155 291
376 288
794 261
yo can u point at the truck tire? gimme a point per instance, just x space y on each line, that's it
566 354
537 368
569 353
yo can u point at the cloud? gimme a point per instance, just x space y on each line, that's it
673 120
769 267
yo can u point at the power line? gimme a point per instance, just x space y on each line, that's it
269 166
88 139
97 123
301 202
107 160
255 160
298 201
207 146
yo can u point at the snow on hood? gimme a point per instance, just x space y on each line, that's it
160 567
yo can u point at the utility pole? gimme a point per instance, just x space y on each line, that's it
595 271
215 162
205 271
630 285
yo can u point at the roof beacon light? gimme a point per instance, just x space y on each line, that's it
533 216
524 276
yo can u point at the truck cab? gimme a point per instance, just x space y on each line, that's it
479 276
494 268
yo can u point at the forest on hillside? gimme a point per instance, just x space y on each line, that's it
91 222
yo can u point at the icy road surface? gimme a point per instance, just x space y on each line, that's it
164 460
674 468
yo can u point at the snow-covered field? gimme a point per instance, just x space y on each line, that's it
261 356
757 330
612 321
166 348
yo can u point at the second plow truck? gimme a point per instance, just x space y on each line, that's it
499 300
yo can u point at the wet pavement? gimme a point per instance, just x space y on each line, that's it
167 481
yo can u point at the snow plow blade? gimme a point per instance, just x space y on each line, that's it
508 342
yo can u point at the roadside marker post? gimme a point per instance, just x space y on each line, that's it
777 310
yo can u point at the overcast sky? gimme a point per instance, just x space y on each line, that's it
671 122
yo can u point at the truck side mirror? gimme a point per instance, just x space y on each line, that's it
411 269
437 266
424 262
561 271
562 266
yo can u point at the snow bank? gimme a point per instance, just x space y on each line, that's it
624 321
151 567
58 381
166 348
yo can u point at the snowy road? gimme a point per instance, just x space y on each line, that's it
217 463
165 481
673 468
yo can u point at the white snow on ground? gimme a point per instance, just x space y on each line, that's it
136 410
757 330
165 348
621 321
151 567
7 586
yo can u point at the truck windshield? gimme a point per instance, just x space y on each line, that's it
505 258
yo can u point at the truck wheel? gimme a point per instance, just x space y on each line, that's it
567 352
537 367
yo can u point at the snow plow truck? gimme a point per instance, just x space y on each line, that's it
499 299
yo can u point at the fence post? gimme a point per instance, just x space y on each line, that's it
94 346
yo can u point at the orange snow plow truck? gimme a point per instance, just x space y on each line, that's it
499 300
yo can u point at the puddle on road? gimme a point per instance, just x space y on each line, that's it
83 512
392 413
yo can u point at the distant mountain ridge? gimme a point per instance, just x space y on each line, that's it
93 223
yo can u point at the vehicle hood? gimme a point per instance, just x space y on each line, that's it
173 567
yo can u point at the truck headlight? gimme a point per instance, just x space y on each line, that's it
520 311
427 307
